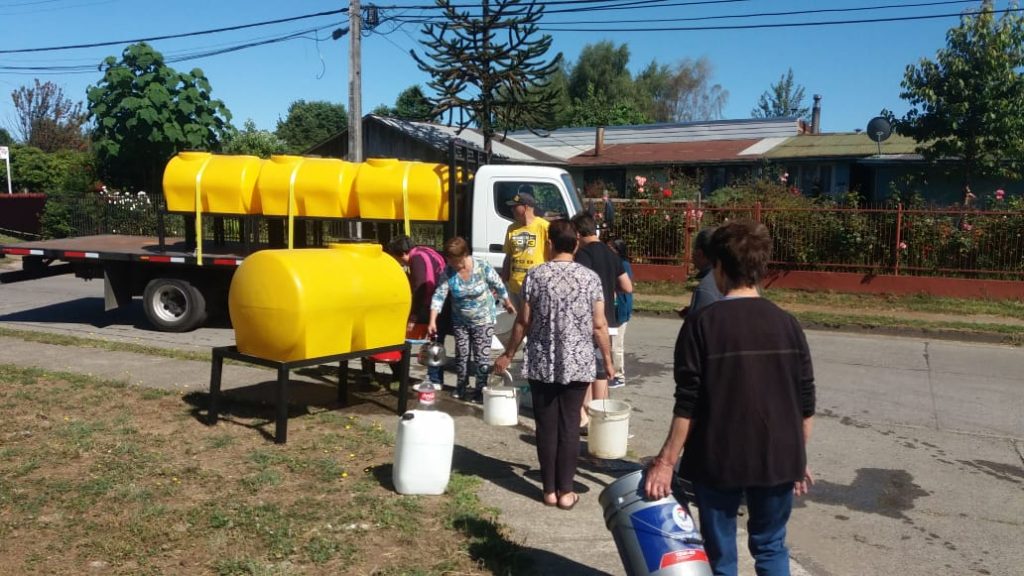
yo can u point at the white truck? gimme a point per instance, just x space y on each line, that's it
181 289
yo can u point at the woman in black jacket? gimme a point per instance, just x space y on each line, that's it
744 408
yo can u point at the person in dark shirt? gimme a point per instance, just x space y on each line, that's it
425 266
744 408
706 291
597 256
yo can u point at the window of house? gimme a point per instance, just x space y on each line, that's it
605 179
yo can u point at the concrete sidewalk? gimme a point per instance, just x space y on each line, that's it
561 542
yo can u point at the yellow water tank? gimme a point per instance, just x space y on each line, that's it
289 305
379 188
323 187
226 183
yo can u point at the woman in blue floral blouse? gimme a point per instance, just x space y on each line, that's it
472 284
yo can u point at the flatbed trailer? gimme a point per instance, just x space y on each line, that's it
176 285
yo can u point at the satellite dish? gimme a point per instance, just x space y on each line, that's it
879 129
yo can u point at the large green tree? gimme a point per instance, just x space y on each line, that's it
601 89
144 112
601 86
602 69
783 98
967 105
254 142
411 104
48 120
310 123
490 70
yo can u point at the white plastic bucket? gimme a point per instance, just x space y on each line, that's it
608 434
658 538
501 405
423 452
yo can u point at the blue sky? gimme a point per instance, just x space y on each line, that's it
857 68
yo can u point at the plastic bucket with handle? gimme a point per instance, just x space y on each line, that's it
657 538
609 428
501 405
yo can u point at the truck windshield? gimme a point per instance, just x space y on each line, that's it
550 202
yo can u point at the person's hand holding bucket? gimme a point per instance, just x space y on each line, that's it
658 479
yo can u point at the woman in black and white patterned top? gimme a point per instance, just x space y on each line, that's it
563 315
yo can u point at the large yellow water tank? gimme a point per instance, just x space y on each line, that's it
226 183
379 188
306 303
322 187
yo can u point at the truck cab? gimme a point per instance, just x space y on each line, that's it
496 184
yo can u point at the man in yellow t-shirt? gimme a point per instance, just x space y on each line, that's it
525 242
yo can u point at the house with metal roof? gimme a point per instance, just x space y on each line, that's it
716 153
710 154
385 137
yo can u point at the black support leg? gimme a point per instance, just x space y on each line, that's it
281 425
343 383
216 369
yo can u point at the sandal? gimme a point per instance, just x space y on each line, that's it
575 499
546 502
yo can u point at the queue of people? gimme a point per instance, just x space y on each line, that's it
744 381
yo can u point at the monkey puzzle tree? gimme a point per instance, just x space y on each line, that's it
489 70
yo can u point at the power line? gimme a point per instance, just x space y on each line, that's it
172 58
789 13
555 27
172 36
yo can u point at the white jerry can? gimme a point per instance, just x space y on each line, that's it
423 452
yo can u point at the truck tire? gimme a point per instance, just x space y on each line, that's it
174 305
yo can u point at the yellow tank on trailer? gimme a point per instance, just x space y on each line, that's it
226 183
289 305
379 189
323 187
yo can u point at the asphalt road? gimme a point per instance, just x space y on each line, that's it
918 447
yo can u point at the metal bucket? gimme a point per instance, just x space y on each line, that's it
654 538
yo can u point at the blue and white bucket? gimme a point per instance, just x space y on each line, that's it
654 538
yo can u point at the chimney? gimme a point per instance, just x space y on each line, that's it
599 141
816 115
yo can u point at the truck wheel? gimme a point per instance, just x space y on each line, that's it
174 305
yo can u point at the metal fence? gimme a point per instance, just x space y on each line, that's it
947 242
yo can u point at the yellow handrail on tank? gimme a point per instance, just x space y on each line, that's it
405 199
291 202
199 213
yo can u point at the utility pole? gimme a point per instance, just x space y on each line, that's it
355 83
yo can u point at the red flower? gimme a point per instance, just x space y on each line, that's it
667 192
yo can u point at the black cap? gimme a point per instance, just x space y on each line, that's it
522 199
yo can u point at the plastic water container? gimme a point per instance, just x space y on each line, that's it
423 452
608 434
501 405
653 537
306 303
322 187
227 183
379 187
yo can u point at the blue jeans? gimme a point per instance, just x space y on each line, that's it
768 511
